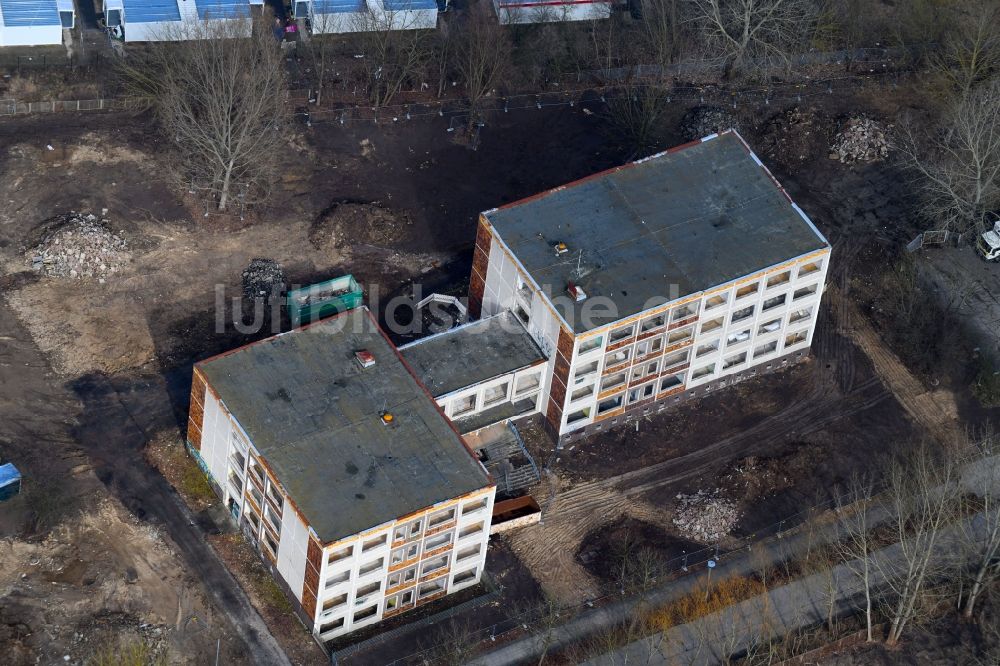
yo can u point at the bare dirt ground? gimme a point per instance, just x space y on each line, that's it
396 206
969 286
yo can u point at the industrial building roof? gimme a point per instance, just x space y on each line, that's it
656 230
151 11
409 5
28 13
338 6
314 414
472 353
222 8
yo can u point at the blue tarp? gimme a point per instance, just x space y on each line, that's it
151 11
8 475
222 8
28 13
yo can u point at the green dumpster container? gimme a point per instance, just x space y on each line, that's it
323 299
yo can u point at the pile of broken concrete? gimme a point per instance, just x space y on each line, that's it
860 140
80 246
705 516
701 121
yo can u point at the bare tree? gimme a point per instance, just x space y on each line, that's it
958 163
396 48
970 51
320 47
856 548
922 493
660 31
981 536
753 34
483 52
220 97
634 112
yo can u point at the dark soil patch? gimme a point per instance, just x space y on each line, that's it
605 551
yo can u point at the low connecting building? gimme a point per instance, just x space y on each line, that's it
548 11
653 282
342 471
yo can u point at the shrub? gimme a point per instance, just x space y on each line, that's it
704 600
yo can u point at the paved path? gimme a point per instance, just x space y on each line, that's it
782 611
979 474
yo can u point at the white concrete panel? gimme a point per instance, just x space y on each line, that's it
292 550
38 35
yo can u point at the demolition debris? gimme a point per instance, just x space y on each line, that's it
81 246
861 140
262 279
701 121
705 516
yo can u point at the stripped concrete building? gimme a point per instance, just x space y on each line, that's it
343 472
653 282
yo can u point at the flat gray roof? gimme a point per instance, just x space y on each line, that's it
314 414
657 229
472 353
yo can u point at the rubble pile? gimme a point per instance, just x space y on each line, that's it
705 516
80 246
793 136
860 140
704 120
262 278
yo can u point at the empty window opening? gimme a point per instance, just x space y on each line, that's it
434 564
799 315
650 346
676 358
618 357
464 405
582 372
475 528
466 553
804 291
365 613
427 589
654 322
715 301
769 327
738 337
772 303
437 541
765 349
610 404
380 540
732 361
740 315
779 279
672 381
685 311
465 576
795 338
590 344
403 554
578 416
472 507
747 290
371 566
611 381
331 625
526 383
368 589
620 334
340 554
707 348
495 394
440 518
711 325
810 268
703 371
342 577
682 335
333 602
